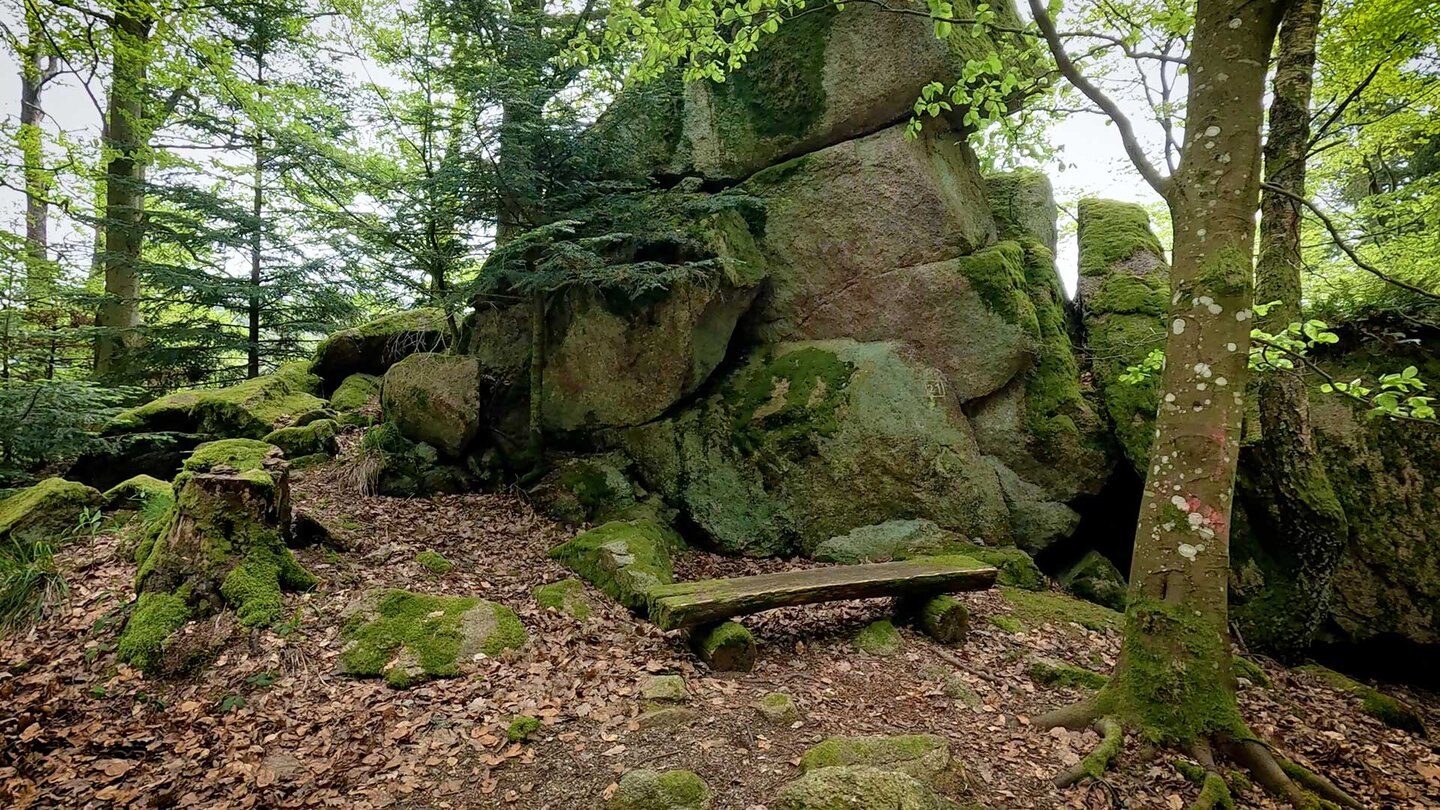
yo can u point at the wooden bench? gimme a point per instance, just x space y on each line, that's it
707 604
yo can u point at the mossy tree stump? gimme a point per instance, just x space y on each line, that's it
223 544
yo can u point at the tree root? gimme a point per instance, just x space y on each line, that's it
1214 790
1317 784
1076 717
1098 761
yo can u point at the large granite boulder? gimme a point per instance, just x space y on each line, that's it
118 458
809 440
1024 206
822 78
435 398
373 347
248 410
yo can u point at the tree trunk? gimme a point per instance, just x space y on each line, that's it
124 199
1173 682
1286 491
257 210
34 73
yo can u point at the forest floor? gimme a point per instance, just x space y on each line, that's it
270 724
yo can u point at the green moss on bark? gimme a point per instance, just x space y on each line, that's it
155 617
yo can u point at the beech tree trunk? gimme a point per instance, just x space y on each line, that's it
124 198
257 240
1286 491
1173 680
35 72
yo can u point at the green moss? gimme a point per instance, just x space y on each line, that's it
1007 623
1388 710
240 455
250 409
48 512
997 274
922 756
434 562
521 728
425 636
1173 685
879 638
155 617
1250 671
728 646
1095 579
778 707
355 392
1016 568
315 438
1125 294
139 493
780 92
567 595
1065 676
1036 608
786 402
624 559
253 586
1112 232
671 790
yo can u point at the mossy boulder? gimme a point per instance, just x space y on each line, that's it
872 240
778 707
48 512
314 438
223 544
373 347
822 78
408 637
435 398
879 638
355 392
623 558
1095 579
807 441
1017 569
137 492
1125 293
1023 204
1051 672
1037 609
882 542
250 409
567 596
396 466
856 786
924 756
664 688
587 489
652 790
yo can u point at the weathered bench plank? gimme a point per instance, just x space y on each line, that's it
685 604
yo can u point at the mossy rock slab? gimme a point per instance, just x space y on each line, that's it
250 409
1035 609
355 392
923 756
567 596
653 790
407 638
118 458
623 558
856 786
373 347
435 399
778 707
1017 569
664 687
882 542
1095 579
48 512
822 78
1024 206
1052 672
807 441
314 438
587 489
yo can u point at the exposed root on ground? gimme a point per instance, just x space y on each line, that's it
1302 788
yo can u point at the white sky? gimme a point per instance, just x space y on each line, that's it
1095 163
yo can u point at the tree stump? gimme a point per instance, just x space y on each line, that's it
223 544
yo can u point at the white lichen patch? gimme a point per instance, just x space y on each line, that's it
1178 327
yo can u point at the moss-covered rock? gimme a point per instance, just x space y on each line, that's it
1017 569
314 438
1035 609
807 441
48 512
373 347
882 542
651 790
567 596
355 392
521 728
408 637
250 409
435 399
1389 710
879 638
664 687
588 489
923 756
139 493
434 562
1124 290
1052 672
1094 578
1024 206
623 558
858 786
778 707
117 458
396 466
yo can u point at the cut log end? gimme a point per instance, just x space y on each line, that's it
943 618
725 647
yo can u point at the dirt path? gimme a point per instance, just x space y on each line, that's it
270 724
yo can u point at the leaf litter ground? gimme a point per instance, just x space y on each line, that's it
269 723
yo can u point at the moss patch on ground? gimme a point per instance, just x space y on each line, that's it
1050 672
1389 710
923 756
434 562
566 596
521 728
408 637
1036 608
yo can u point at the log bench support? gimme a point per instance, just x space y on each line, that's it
943 617
724 647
